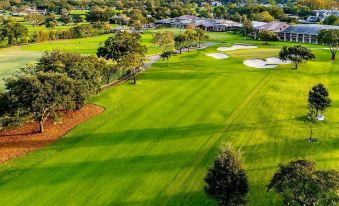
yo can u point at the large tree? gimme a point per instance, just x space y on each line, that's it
120 45
89 72
248 28
126 49
189 38
318 98
12 32
331 39
131 63
165 40
35 19
41 95
299 183
226 179
98 14
266 36
297 54
200 35
180 42
137 19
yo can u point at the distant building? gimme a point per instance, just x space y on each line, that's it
303 33
29 11
36 11
322 14
206 24
257 24
274 26
216 3
19 13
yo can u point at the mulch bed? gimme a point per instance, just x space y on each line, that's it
19 141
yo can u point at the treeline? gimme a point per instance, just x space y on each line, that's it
60 81
79 31
13 33
57 5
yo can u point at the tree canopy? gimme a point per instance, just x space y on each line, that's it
331 39
126 49
226 179
318 98
41 95
165 40
299 183
266 36
120 45
297 54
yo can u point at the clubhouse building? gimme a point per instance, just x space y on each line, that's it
207 24
303 33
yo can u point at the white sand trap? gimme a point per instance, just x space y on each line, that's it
258 63
218 55
275 60
270 62
236 46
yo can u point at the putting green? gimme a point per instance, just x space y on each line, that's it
156 139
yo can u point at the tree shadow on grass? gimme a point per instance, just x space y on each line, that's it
191 198
135 136
301 118
114 168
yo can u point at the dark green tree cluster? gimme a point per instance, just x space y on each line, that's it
60 81
97 14
299 183
78 31
267 36
12 32
318 98
331 20
226 181
125 48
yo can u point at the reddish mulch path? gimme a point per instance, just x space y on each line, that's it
19 141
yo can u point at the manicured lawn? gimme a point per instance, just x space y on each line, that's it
156 139
78 12
12 59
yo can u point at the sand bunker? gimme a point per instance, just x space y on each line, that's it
236 46
218 55
270 62
275 60
258 63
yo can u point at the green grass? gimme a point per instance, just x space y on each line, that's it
155 140
12 59
78 12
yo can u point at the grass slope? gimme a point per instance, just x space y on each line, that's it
154 142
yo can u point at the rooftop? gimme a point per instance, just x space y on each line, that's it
310 29
275 26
